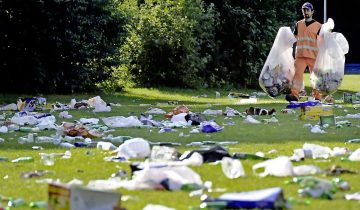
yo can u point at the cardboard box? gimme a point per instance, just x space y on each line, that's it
314 112
63 197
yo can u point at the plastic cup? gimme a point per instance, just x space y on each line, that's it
47 159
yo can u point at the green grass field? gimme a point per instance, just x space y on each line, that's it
284 137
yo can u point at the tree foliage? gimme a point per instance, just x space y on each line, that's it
245 36
57 45
169 42
65 46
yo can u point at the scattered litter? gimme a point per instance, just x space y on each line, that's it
238 95
258 111
156 207
134 148
4 129
210 127
248 101
155 111
31 104
352 141
337 170
9 107
105 145
230 112
288 111
121 122
212 112
355 156
319 188
273 119
316 151
209 154
232 168
164 153
251 120
295 104
177 110
37 173
65 115
270 198
280 166
317 129
304 170
354 196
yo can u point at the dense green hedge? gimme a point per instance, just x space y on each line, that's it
71 45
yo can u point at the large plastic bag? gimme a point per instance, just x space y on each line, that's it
278 70
329 67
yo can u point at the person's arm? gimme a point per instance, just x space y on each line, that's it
295 34
319 38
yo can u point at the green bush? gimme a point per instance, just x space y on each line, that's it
169 42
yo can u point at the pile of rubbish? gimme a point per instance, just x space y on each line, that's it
161 165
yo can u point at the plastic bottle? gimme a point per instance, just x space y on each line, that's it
23 159
66 145
214 205
44 139
195 143
3 159
38 204
190 187
247 156
82 144
353 141
73 138
27 139
117 139
29 129
16 202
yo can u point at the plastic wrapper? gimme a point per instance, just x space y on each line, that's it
31 104
329 67
278 70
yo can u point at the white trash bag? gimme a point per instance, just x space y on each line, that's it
329 67
278 70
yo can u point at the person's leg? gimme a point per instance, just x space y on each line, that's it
297 82
315 93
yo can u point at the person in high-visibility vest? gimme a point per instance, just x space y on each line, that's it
306 33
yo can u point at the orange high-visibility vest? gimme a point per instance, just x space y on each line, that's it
306 40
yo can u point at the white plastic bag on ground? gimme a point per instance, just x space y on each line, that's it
305 170
316 151
152 178
280 166
329 67
134 148
99 104
278 69
156 207
232 168
121 122
355 156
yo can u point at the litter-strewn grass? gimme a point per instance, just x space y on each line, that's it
285 136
